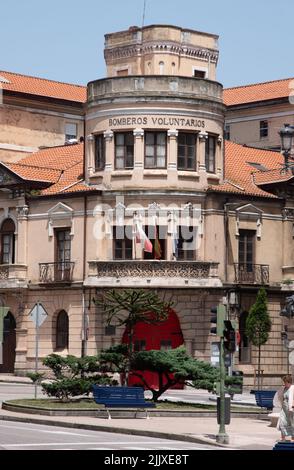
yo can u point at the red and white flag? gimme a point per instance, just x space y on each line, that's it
142 238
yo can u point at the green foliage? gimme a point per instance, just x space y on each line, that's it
73 376
258 324
173 366
114 359
35 377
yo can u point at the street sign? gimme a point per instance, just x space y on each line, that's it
39 312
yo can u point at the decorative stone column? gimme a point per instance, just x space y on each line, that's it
203 136
172 155
138 155
109 155
22 233
219 157
90 154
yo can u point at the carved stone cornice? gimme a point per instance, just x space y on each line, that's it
162 47
22 212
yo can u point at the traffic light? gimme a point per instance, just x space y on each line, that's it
218 315
288 310
229 337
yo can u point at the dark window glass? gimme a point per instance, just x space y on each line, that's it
186 151
246 249
62 268
165 344
99 152
155 150
210 151
62 330
263 129
227 132
123 246
8 242
199 73
186 244
124 150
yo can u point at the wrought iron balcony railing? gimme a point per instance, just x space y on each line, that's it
56 272
251 273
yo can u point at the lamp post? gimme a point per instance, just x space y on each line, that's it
287 134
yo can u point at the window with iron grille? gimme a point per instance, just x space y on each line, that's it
155 150
186 151
124 150
210 153
99 152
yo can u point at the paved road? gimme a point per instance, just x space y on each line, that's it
14 391
24 436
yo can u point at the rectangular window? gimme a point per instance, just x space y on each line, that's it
186 243
122 245
139 345
227 132
99 152
199 73
124 150
71 131
165 344
263 129
7 248
246 249
186 151
210 153
155 150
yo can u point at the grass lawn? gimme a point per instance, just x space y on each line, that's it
88 403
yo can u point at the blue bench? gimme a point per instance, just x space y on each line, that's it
284 445
121 397
264 398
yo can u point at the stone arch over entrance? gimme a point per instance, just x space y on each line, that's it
163 335
9 344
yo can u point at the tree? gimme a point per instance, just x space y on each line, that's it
131 306
258 325
173 366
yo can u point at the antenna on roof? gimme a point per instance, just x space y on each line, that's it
144 11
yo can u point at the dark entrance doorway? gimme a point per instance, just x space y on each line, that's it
163 335
9 344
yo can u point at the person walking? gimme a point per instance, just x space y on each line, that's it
286 419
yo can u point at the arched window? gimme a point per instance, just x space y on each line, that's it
8 242
161 68
62 330
244 348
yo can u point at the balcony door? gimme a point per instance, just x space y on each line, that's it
246 255
62 270
8 345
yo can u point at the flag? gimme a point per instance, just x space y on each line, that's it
157 247
175 246
142 238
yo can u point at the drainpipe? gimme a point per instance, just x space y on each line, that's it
84 312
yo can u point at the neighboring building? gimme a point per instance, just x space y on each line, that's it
73 219
37 113
255 113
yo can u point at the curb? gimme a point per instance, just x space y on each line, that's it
98 427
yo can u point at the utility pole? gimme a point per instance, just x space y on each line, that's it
222 436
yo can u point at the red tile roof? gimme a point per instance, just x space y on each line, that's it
240 175
42 87
259 92
60 166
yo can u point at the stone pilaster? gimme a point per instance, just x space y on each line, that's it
172 152
109 156
90 154
22 234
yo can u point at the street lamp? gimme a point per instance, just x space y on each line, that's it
287 134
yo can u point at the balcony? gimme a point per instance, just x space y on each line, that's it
146 273
251 273
13 276
52 273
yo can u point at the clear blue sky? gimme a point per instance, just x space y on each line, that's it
63 39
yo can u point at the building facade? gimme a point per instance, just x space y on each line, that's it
154 199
